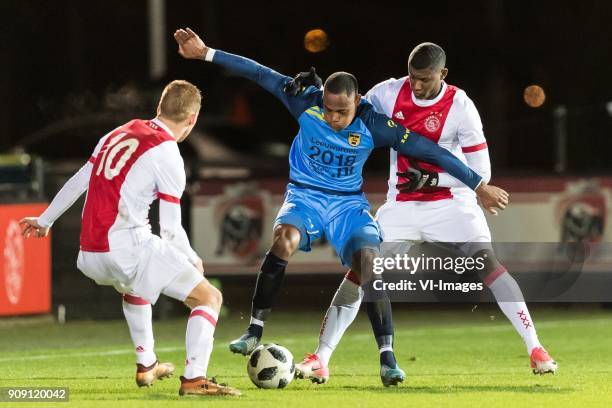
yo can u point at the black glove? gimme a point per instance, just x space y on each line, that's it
417 178
302 81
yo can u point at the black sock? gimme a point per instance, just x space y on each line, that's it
269 282
255 330
388 358
381 319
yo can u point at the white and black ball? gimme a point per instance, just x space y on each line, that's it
271 366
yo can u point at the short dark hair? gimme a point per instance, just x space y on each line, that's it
341 82
427 55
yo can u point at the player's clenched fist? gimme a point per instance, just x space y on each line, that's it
491 198
31 226
190 44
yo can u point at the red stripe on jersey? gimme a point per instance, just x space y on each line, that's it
475 148
169 198
135 300
202 313
429 122
120 151
92 160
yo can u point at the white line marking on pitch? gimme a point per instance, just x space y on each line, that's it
497 328
84 354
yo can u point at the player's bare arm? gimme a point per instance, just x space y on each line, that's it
32 227
190 44
492 198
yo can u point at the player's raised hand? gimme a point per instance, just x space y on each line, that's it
31 226
190 44
492 198
302 81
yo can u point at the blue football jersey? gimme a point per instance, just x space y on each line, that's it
332 160
322 157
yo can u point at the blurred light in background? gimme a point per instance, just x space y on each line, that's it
534 96
16 159
316 40
276 149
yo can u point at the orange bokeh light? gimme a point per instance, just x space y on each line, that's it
534 96
316 40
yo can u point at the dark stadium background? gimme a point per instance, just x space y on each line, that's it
72 70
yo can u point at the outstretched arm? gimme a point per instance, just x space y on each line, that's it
414 145
63 200
387 133
191 46
69 193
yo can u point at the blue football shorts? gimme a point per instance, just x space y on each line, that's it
345 220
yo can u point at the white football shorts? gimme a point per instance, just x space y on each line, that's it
457 220
146 269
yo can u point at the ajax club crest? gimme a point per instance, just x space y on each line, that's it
354 139
432 122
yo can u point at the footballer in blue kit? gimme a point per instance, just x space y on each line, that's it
337 132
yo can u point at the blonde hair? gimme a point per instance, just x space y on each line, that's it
179 100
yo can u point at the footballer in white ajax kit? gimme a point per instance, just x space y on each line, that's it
441 211
131 167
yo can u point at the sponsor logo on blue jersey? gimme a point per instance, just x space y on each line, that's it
322 157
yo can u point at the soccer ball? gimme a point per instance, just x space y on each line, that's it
271 366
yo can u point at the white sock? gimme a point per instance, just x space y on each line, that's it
341 313
138 315
199 340
256 321
510 300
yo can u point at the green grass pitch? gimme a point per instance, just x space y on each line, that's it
461 358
